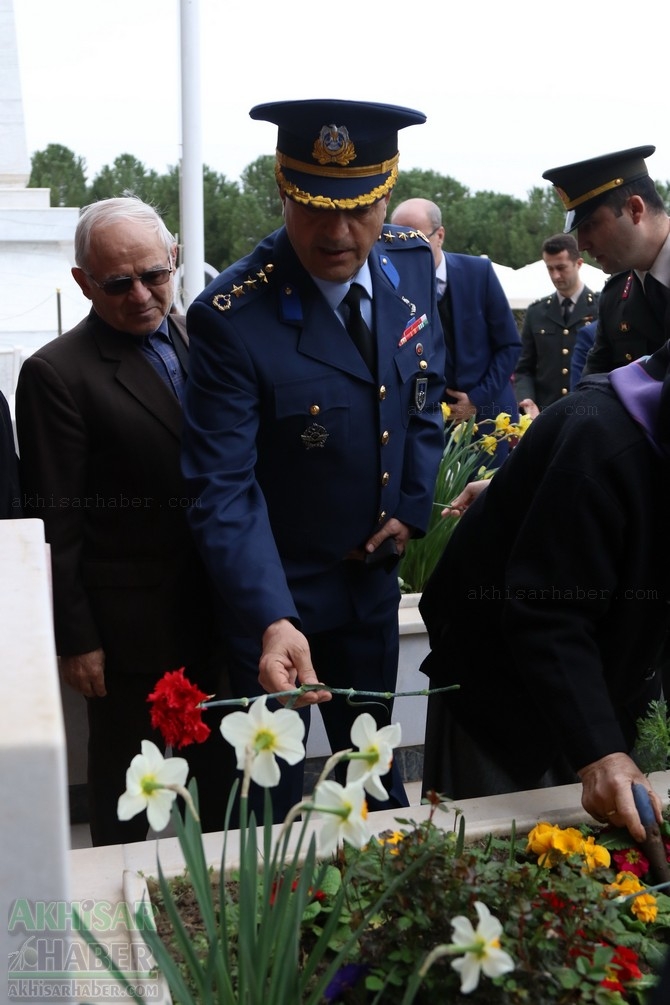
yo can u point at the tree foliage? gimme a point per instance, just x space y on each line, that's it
58 169
237 215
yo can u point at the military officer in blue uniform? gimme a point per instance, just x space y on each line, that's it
313 420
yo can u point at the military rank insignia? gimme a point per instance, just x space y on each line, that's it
420 393
314 436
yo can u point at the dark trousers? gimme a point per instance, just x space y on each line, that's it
117 725
363 656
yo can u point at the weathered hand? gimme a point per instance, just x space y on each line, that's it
286 663
85 673
607 794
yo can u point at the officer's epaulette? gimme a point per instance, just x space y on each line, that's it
400 237
540 300
617 278
243 286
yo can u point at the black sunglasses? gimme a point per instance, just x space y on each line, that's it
117 287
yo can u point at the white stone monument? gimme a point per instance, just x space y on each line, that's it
34 865
36 241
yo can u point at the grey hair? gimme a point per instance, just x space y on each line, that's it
127 207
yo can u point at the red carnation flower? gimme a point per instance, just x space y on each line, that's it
175 710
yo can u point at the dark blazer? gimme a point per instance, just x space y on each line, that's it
543 370
9 472
550 602
294 450
485 347
99 437
628 328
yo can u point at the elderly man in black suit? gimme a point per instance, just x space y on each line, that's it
99 427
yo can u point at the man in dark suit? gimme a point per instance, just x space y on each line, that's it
99 423
313 419
480 332
620 219
550 328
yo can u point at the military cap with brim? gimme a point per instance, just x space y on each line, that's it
336 154
583 186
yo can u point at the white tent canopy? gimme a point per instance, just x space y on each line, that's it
523 286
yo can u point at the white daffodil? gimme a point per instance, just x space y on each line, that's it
481 947
375 753
152 783
263 736
346 815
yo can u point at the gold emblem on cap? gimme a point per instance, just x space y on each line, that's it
333 146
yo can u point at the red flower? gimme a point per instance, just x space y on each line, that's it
175 712
631 860
622 969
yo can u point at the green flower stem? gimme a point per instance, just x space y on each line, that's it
185 794
347 691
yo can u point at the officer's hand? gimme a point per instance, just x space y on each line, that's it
85 673
458 506
461 408
529 407
286 663
399 531
607 794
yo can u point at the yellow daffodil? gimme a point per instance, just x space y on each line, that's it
446 412
488 443
502 422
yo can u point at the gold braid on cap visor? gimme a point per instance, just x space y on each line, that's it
325 202
573 203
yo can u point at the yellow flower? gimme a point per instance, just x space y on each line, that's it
446 412
458 432
502 422
595 855
541 842
644 908
627 883
488 444
569 841
393 839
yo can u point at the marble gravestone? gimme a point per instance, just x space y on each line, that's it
34 865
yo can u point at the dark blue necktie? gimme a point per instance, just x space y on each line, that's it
357 328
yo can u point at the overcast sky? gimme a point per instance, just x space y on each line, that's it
509 89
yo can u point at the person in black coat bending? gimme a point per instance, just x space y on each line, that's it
550 607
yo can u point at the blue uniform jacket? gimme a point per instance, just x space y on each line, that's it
487 340
295 454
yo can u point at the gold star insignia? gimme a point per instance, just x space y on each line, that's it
403 236
238 291
262 277
250 283
388 236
